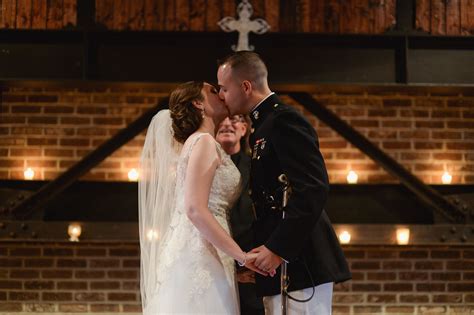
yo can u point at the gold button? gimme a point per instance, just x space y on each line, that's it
276 105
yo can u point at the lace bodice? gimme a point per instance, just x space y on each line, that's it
225 187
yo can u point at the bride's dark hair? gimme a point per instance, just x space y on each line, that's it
185 116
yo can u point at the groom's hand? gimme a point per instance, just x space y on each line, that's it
266 260
250 264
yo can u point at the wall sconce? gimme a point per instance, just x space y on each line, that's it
446 178
74 230
352 177
133 175
403 236
29 174
344 237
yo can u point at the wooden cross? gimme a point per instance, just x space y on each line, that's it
243 25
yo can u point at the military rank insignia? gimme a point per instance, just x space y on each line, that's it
259 145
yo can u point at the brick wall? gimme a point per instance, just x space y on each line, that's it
50 128
103 277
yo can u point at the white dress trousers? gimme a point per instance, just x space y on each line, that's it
320 304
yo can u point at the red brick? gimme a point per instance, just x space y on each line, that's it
104 263
89 296
364 123
397 124
24 274
445 114
90 252
430 287
122 297
89 274
10 284
381 298
461 124
366 287
42 141
348 298
104 285
461 287
445 276
367 265
75 120
400 309
445 254
429 124
74 263
332 144
27 109
414 113
428 145
413 254
448 156
6 262
104 308
424 265
414 156
59 131
460 265
445 299
43 120
396 145
398 287
367 309
57 251
77 142
468 254
468 114
91 131
10 307
59 152
416 276
382 134
58 109
396 102
42 98
381 276
57 296
92 110
39 285
446 134
108 121
394 265
56 274
131 285
461 103
122 274
382 254
414 298
12 98
73 308
131 263
39 263
22 296
72 285
132 308
460 146
25 152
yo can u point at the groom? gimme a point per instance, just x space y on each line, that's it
284 142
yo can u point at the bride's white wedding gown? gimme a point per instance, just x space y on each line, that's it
193 276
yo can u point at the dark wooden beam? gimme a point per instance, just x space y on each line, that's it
440 205
37 201
93 54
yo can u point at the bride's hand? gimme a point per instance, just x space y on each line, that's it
249 263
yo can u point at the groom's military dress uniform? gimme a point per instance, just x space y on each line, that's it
284 142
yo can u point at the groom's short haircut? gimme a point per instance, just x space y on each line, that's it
247 65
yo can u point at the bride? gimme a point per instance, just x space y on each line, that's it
187 186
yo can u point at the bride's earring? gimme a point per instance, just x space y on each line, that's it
203 112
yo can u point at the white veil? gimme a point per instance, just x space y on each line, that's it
156 196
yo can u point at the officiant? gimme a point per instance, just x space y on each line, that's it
233 137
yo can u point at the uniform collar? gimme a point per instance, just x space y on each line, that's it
263 109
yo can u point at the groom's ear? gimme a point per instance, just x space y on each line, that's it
247 85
